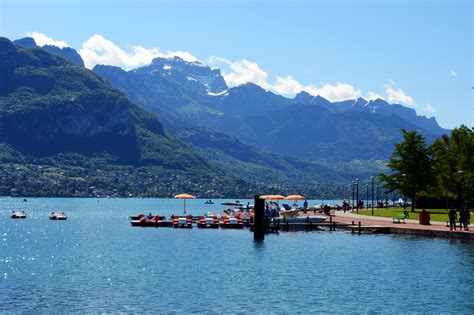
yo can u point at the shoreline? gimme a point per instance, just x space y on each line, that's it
411 227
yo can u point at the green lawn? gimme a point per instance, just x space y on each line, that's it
436 214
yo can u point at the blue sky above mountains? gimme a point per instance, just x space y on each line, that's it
418 53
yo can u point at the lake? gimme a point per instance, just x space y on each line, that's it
96 262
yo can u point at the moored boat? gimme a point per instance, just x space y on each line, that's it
183 222
231 223
58 216
155 221
291 216
18 215
208 222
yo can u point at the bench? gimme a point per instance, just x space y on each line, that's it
398 218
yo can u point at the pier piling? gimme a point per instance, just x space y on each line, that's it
259 218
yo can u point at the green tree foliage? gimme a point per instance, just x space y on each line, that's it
453 164
445 169
411 166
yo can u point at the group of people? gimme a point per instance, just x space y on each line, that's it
271 210
464 219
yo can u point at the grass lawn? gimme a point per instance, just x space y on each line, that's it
436 214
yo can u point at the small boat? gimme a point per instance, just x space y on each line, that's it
57 216
291 216
183 222
231 223
155 221
233 204
209 202
208 222
18 215
137 217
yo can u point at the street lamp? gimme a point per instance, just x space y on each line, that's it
372 179
377 196
404 187
357 194
461 199
367 188
353 192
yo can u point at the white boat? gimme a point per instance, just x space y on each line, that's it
18 215
291 216
58 216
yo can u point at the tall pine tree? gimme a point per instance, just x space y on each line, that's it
410 166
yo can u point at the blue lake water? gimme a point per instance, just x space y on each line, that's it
96 262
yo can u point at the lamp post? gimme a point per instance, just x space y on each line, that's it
357 194
353 192
404 187
372 180
461 197
367 189
377 196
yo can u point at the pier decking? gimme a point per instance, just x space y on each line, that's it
411 227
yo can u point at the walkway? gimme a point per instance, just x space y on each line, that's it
410 227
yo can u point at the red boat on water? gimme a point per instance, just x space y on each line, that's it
231 223
183 222
208 222
156 221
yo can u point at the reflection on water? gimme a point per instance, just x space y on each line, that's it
95 262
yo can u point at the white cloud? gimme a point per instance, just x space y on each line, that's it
244 71
42 39
453 73
335 93
372 96
398 96
429 110
99 50
241 71
288 86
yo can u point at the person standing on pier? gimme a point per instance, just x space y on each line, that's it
452 219
467 219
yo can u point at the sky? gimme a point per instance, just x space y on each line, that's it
417 53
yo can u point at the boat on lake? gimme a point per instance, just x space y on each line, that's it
233 204
18 215
209 222
209 202
231 223
183 222
58 216
291 216
155 221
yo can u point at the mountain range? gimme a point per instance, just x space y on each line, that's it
49 107
305 126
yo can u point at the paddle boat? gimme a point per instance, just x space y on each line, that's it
209 222
57 216
183 222
231 223
155 221
18 215
209 202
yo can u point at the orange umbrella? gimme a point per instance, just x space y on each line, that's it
275 197
295 197
184 197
